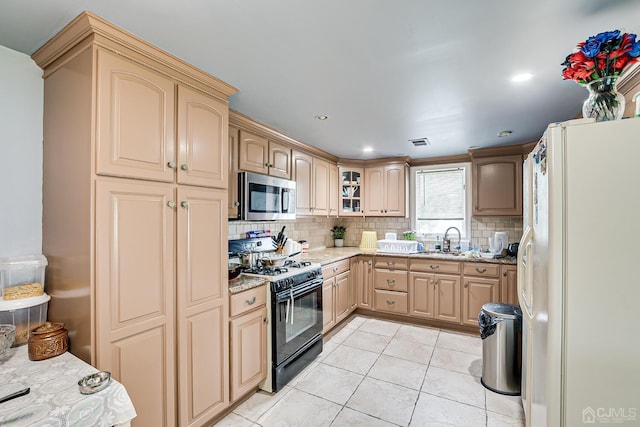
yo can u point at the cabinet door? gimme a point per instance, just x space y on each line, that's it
365 283
233 206
447 297
421 295
135 119
202 139
135 284
320 187
351 191
202 298
254 153
394 190
508 284
374 194
303 171
343 290
279 160
334 179
476 293
497 186
328 305
248 352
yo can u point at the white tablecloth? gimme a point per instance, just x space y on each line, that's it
55 399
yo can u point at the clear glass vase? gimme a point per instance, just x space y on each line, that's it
604 102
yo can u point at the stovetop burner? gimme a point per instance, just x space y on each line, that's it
274 271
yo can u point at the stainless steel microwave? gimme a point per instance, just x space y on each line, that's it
265 197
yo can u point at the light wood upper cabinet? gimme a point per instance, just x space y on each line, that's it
202 139
135 287
385 190
497 186
136 120
312 176
258 154
334 178
351 188
203 339
233 202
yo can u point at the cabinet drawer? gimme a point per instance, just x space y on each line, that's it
435 266
335 268
245 301
481 269
396 263
391 280
390 301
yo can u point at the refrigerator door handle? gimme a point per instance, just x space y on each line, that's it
524 272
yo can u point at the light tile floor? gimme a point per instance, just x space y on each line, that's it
380 373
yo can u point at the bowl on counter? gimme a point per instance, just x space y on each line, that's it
273 260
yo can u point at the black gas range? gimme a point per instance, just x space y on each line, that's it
295 313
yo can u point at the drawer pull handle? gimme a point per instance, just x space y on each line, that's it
252 301
391 263
391 282
390 302
481 270
434 267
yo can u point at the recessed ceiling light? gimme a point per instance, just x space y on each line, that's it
367 149
322 117
504 133
521 77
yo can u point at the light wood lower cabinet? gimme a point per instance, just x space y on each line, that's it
508 284
390 285
481 285
435 296
362 273
248 335
336 294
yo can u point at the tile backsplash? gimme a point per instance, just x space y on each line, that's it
316 230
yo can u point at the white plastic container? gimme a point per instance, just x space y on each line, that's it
25 314
398 246
17 270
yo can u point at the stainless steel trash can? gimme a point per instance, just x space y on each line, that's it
501 333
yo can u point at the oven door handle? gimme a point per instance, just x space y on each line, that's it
311 286
292 306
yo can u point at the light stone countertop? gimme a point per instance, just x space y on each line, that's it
326 256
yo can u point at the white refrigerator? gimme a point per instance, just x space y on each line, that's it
579 275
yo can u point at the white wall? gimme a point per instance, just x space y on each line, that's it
21 106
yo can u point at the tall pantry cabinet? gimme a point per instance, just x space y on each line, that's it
134 217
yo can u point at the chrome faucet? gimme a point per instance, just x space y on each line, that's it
459 235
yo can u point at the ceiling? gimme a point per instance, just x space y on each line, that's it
383 71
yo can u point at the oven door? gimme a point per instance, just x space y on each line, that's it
297 318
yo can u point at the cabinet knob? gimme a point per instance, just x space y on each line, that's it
266 165
171 204
265 320
335 269
369 263
481 270
391 282
236 204
436 282
390 302
184 205
505 274
171 165
466 285
251 301
184 167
